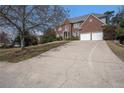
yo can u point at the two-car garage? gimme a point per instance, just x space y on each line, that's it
92 36
92 29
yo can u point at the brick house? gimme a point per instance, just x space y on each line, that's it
87 27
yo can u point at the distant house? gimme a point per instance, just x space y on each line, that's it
4 40
3 37
87 27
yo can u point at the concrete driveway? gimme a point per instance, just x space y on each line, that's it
76 64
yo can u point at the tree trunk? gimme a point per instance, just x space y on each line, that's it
23 30
22 43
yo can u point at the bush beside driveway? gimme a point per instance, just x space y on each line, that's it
16 54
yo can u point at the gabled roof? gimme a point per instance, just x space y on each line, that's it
82 18
95 18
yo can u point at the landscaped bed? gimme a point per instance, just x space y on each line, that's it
117 49
16 54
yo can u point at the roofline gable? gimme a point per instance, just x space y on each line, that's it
93 16
98 19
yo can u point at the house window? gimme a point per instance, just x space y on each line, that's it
90 20
60 29
76 25
66 27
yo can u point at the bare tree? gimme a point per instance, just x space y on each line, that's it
31 18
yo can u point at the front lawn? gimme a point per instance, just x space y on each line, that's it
117 49
16 55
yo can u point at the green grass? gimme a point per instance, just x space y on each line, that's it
16 54
117 49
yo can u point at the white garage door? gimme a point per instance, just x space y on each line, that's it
85 36
97 36
92 36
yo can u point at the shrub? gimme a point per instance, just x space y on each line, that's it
122 23
72 38
121 39
120 33
109 32
3 45
59 38
29 39
49 36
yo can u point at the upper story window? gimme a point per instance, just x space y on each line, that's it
60 28
76 25
90 20
66 27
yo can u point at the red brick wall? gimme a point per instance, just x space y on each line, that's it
91 26
66 22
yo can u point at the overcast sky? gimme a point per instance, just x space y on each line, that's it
78 10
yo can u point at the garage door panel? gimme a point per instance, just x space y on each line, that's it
85 36
97 36
92 36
